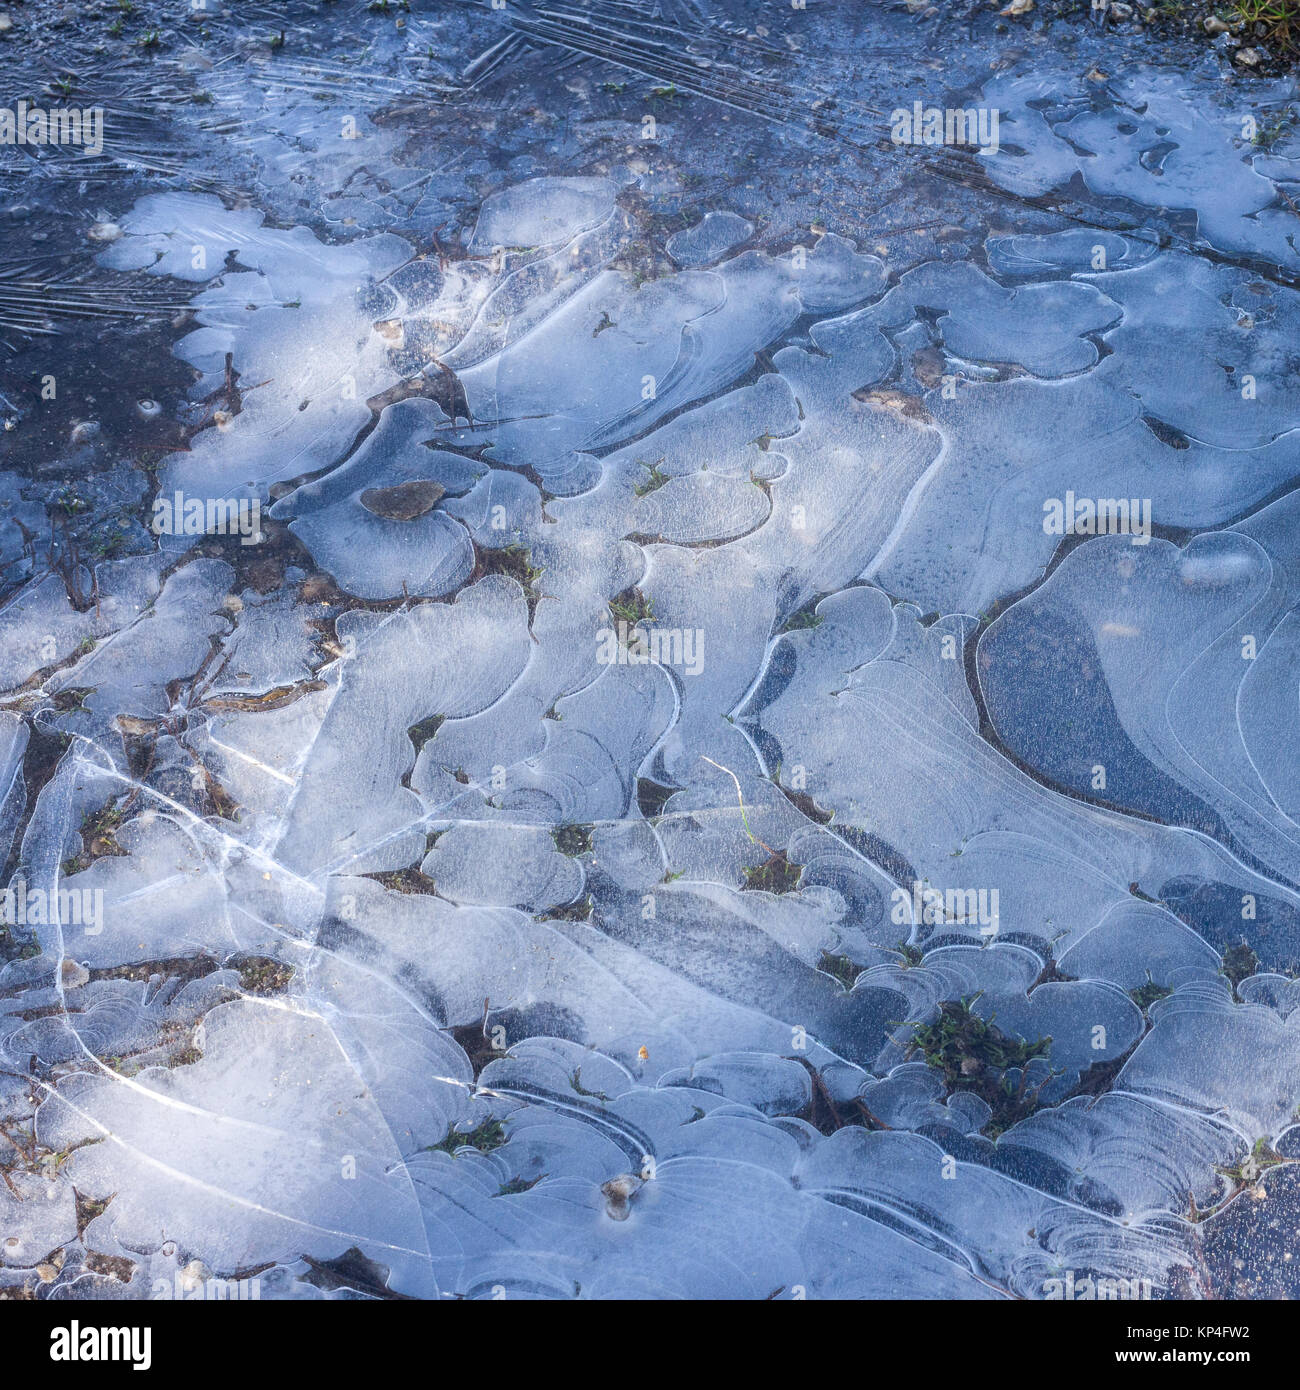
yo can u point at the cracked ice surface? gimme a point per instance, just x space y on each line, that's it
509 866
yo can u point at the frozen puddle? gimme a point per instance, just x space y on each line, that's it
684 752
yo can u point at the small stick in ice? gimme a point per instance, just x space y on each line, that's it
744 818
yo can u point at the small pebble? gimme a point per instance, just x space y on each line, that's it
74 974
194 1275
618 1193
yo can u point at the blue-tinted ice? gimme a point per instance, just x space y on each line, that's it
725 597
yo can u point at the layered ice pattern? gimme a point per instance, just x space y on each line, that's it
520 885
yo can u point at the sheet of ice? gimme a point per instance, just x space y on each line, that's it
1160 634
516 863
541 212
712 236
